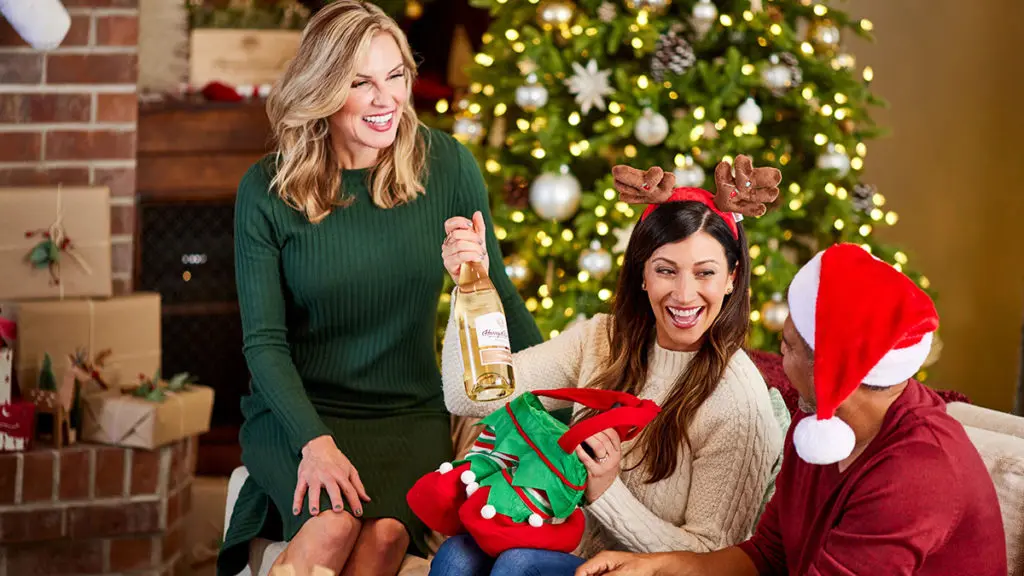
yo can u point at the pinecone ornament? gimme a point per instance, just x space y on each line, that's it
606 12
863 197
672 54
517 192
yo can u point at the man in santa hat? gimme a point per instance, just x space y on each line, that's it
876 477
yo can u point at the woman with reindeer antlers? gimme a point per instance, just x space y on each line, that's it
698 475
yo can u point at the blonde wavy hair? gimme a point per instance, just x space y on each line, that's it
314 86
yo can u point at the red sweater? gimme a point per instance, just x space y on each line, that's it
918 501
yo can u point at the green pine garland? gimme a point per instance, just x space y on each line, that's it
830 105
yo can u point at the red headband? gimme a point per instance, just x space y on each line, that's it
686 194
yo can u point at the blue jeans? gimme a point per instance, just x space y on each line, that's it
460 556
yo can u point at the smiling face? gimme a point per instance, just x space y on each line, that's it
687 282
368 121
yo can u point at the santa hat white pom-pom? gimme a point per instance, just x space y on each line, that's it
536 521
446 468
43 24
488 512
823 441
468 477
471 487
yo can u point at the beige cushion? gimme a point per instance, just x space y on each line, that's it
1004 457
978 417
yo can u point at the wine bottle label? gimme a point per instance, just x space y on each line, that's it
492 338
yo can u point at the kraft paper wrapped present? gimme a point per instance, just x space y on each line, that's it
117 417
126 326
55 242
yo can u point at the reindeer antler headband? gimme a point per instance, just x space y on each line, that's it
744 194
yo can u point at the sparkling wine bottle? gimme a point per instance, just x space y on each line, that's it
483 336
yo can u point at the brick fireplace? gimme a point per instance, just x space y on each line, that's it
95 510
69 116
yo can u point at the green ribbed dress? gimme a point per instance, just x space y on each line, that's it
339 321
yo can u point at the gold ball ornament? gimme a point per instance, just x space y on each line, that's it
824 36
653 7
517 270
413 10
468 129
555 14
774 313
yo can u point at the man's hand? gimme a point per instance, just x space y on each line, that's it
627 564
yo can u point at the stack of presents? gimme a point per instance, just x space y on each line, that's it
78 364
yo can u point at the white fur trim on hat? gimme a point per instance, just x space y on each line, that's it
823 441
900 364
803 298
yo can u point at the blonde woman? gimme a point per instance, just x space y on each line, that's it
336 237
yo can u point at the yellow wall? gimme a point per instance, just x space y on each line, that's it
953 168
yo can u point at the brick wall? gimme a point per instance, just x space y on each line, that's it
90 510
69 116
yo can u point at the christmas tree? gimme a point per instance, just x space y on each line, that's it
563 91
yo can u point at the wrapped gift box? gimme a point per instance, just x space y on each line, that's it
82 216
127 326
17 419
117 417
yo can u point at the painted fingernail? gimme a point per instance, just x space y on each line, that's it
295 511
337 508
313 510
359 512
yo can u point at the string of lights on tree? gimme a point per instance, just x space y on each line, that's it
562 90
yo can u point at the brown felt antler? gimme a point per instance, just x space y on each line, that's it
636 187
749 190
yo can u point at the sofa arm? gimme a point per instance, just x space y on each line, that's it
986 419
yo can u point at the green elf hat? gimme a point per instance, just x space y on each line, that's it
521 484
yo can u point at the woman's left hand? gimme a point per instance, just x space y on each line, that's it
604 467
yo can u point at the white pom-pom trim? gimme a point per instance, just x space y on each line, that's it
823 441
446 468
471 487
468 477
536 521
488 512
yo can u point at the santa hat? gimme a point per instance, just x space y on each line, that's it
866 323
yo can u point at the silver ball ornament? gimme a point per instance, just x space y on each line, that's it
749 113
555 196
703 16
777 76
532 95
774 313
833 159
651 128
689 174
596 261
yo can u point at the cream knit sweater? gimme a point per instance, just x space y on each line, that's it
713 498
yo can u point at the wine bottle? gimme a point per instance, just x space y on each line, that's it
483 336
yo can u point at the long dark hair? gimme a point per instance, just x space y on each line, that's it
633 328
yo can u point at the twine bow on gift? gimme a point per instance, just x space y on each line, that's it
53 242
87 370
